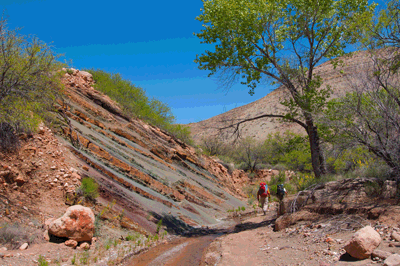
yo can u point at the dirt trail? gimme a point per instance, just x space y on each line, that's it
184 251
187 250
253 242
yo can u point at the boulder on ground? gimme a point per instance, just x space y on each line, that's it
24 246
77 224
84 246
392 260
395 236
383 255
71 243
363 243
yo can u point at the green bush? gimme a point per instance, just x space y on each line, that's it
133 237
159 225
12 235
30 82
287 151
373 189
135 103
89 188
42 261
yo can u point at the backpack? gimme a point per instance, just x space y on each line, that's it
264 192
280 191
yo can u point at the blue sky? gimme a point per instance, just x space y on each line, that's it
150 43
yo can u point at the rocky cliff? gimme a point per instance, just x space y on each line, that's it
145 169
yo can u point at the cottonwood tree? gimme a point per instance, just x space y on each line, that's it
369 116
281 41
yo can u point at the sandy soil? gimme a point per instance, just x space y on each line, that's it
255 243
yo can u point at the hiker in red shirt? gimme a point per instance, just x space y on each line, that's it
262 197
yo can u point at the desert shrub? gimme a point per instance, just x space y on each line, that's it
97 225
251 190
252 175
278 179
13 235
133 237
242 166
84 259
9 140
30 82
42 261
135 103
89 188
280 167
287 151
304 180
373 189
213 145
248 154
159 225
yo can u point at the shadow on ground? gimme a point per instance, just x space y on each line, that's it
178 227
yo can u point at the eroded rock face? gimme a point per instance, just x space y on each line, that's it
77 224
336 197
363 243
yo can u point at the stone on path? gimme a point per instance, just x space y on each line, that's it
363 242
392 260
85 246
383 255
24 246
395 236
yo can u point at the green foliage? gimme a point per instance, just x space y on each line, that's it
135 103
304 181
213 145
30 82
133 237
373 189
159 224
366 122
73 260
283 41
89 188
291 150
42 261
248 154
84 259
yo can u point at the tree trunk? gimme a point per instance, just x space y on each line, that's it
317 157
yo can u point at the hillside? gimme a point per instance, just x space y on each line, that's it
142 167
270 104
144 176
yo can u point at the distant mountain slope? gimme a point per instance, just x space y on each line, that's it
270 104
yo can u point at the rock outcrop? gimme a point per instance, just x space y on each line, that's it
147 167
